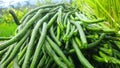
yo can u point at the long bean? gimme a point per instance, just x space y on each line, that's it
15 64
54 37
15 50
59 52
3 51
82 34
23 31
39 46
59 19
20 62
22 53
97 41
89 21
52 53
42 61
58 32
5 38
41 7
7 53
30 45
65 38
66 18
81 58
67 30
14 17
52 20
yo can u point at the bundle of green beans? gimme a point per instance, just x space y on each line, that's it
61 36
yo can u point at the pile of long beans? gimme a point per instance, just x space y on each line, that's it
61 36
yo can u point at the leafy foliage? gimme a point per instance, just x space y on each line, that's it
101 8
7 25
